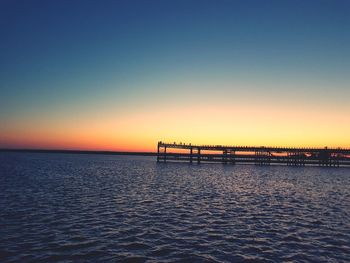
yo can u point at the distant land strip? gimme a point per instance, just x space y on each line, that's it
80 152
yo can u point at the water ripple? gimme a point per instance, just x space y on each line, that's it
60 207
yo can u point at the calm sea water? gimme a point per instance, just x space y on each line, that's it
95 208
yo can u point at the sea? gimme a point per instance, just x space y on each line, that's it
58 207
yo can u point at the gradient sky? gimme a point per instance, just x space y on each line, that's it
121 75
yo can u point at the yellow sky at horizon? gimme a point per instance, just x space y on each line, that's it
240 124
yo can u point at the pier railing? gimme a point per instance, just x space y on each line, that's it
330 157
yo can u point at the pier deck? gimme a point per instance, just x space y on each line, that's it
329 157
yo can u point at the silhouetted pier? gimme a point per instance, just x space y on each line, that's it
328 157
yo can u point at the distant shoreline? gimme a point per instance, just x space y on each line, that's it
80 152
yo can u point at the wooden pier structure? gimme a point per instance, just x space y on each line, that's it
326 157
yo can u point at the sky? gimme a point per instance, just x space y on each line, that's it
123 75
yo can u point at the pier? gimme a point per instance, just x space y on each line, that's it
325 157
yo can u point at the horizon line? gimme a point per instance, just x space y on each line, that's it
75 151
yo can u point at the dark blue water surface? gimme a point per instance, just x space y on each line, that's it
96 208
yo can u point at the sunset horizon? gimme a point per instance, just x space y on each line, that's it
204 131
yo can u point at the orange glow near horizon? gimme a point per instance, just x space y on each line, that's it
196 124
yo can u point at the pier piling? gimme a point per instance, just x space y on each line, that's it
323 157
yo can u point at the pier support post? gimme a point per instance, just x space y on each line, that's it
165 154
199 156
232 157
158 151
334 160
224 156
324 157
191 153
